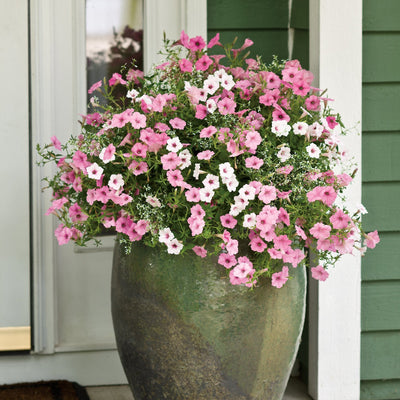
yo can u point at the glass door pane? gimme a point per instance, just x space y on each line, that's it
114 37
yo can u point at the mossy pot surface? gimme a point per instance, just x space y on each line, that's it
184 332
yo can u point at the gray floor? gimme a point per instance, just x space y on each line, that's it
296 391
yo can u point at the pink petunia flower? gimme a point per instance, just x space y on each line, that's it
55 142
372 239
177 123
340 220
205 155
227 260
203 63
227 221
200 251
320 231
278 279
319 273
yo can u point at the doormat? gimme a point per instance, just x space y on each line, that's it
44 390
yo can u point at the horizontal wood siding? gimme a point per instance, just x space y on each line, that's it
380 319
299 24
265 22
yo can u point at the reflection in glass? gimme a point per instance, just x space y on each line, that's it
114 38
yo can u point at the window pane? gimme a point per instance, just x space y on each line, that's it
114 37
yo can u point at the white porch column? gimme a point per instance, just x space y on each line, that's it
335 59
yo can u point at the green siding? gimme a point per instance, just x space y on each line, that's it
380 155
389 251
381 307
378 390
264 22
299 23
380 291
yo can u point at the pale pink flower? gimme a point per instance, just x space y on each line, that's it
196 225
282 242
139 150
284 216
267 194
300 232
108 154
185 65
170 161
320 231
197 211
208 132
226 106
278 279
313 103
285 170
227 221
76 214
177 123
193 195
325 194
227 260
205 155
55 142
63 234
253 139
201 111
185 157
257 244
319 273
175 178
211 105
254 162
339 220
232 246
200 251
138 168
372 239
95 86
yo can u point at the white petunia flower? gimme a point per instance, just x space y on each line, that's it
226 171
165 235
284 153
94 171
313 150
174 246
174 144
249 220
185 157
206 194
281 128
300 128
211 182
211 105
211 85
315 130
248 192
153 201
116 181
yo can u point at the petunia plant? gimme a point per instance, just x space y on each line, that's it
212 154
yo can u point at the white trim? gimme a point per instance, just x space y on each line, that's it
43 76
335 60
170 17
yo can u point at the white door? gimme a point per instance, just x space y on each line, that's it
14 169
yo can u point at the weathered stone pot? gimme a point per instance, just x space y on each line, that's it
184 332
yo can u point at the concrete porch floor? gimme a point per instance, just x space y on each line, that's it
296 390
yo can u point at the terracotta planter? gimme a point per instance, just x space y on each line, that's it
184 332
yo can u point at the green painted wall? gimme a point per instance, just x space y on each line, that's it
263 21
380 316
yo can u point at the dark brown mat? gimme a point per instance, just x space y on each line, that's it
44 390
